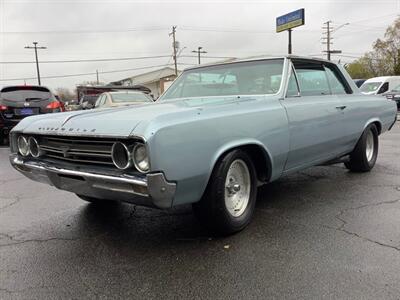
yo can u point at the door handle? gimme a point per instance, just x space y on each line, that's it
341 107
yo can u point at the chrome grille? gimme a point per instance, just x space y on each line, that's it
77 149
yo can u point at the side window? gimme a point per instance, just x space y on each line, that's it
335 81
384 88
312 78
97 104
293 88
100 101
104 100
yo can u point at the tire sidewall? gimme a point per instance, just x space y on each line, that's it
224 218
371 162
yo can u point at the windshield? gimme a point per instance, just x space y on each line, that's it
129 97
396 89
369 87
25 93
243 78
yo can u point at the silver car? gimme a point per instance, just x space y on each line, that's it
122 98
212 138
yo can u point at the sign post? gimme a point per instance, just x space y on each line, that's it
287 22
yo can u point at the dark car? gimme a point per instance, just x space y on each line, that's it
18 102
88 101
359 82
395 96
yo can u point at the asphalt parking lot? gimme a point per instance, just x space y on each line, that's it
321 233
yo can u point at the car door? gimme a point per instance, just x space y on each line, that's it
314 115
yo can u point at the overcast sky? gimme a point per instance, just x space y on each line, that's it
80 30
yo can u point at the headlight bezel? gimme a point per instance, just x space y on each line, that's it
23 139
137 162
126 152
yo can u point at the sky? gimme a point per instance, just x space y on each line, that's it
105 29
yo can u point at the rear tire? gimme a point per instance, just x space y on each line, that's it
97 201
228 203
364 155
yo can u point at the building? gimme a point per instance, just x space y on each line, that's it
157 81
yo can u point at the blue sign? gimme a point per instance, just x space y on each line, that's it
294 19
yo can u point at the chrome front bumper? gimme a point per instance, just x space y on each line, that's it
152 190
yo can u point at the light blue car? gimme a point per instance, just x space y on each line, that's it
213 137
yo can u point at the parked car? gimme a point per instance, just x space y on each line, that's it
359 82
122 98
18 102
211 139
88 101
379 85
394 95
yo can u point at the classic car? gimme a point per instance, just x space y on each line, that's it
212 138
122 98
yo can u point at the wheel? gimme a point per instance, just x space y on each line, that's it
97 201
364 155
228 203
2 139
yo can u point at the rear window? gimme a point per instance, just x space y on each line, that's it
129 97
25 93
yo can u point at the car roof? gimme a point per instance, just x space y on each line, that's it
381 78
264 57
24 87
126 92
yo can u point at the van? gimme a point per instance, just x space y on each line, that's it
380 85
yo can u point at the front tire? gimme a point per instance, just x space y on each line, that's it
228 203
364 155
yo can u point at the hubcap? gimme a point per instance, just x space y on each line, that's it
369 149
237 188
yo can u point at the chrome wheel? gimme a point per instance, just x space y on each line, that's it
237 188
370 146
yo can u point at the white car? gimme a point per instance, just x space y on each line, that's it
122 98
379 85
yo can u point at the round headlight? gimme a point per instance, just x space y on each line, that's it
140 158
34 148
120 156
23 146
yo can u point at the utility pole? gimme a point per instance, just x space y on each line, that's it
327 39
174 45
97 76
198 51
290 41
36 56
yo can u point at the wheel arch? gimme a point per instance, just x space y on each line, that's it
260 155
377 122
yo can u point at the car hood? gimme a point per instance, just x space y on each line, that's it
122 121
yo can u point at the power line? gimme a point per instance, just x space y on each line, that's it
85 31
83 74
85 60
